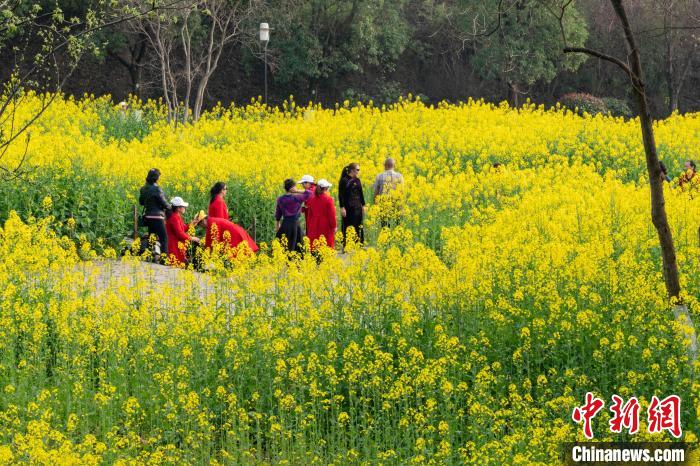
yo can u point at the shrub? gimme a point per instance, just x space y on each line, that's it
388 93
355 96
583 103
618 107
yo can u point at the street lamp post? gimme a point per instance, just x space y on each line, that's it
265 38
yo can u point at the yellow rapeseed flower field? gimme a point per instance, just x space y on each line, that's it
467 334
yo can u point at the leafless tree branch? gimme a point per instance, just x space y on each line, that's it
602 56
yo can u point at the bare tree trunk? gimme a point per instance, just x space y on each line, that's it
679 53
199 98
154 32
681 81
675 98
658 204
672 100
164 82
513 94
633 69
214 54
171 88
186 38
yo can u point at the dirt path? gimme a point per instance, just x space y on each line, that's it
146 277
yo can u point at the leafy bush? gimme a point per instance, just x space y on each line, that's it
389 92
355 96
386 93
583 103
618 107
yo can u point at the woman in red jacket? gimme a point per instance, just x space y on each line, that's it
217 204
321 217
220 229
176 229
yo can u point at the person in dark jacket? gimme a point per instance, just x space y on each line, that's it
155 205
352 202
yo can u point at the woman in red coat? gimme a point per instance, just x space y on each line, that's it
219 229
321 217
176 229
217 204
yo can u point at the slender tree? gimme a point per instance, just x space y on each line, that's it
673 25
632 67
188 40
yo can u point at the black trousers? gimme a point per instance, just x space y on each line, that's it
291 229
353 218
156 226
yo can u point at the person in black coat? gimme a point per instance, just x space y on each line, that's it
152 198
352 201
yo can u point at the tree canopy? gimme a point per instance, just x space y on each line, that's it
332 50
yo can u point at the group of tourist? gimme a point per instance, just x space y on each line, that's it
688 175
165 219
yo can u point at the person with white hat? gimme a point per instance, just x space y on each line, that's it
307 181
123 108
178 238
321 217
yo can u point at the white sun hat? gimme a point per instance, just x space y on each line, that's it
323 183
306 179
178 202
